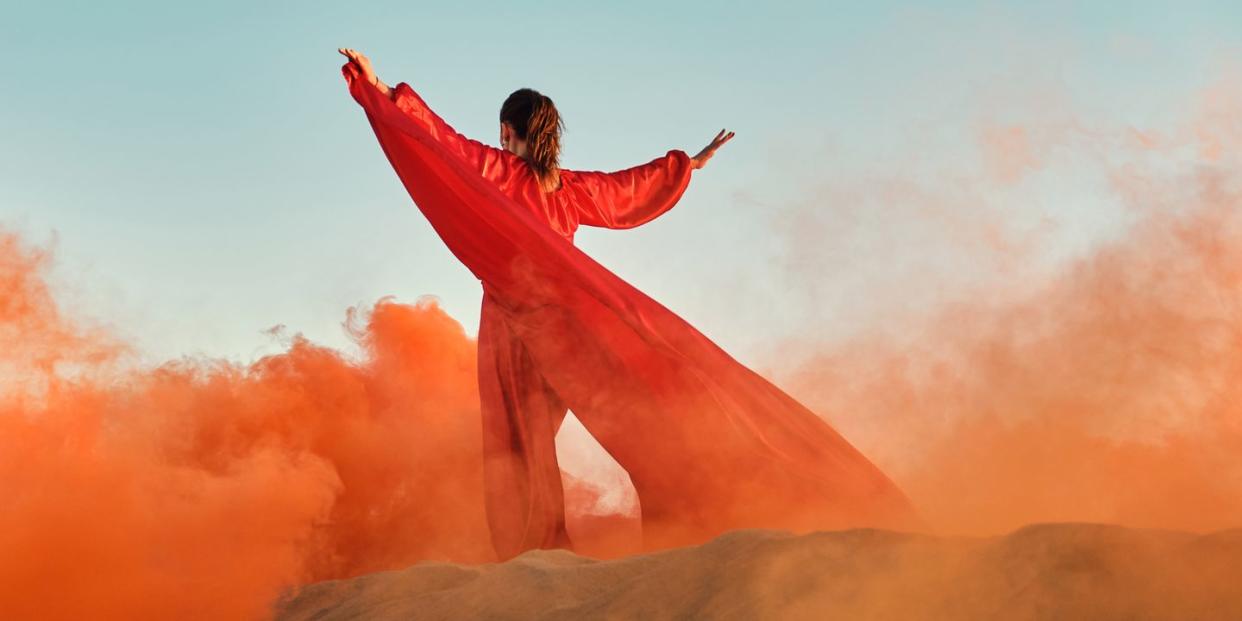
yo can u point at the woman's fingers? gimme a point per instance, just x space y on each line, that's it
719 140
356 59
706 154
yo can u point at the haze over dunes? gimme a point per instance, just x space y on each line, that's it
1047 571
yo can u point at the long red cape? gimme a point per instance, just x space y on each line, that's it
709 444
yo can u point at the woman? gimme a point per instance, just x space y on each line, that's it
708 444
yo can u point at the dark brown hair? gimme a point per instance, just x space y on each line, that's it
535 119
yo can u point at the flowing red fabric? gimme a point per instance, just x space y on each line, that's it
709 445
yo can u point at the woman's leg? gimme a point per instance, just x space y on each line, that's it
521 415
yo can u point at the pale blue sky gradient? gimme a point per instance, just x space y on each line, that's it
205 175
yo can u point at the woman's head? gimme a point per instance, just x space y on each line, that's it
530 127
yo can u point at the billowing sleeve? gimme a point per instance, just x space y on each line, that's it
493 163
634 196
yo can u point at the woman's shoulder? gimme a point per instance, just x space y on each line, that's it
563 178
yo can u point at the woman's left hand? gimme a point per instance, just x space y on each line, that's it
360 61
700 160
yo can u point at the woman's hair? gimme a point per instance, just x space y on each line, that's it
535 119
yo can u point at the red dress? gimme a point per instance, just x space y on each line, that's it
709 445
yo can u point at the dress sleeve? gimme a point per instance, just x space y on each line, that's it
634 196
493 163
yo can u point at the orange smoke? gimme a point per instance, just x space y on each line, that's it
1107 392
199 488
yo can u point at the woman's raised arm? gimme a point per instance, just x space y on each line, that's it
634 196
493 163
637 195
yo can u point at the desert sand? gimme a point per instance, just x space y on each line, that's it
1043 571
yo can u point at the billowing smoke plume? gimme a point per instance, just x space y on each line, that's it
1108 389
198 488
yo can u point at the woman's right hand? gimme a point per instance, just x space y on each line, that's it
700 160
361 62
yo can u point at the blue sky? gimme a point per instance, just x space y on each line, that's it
203 173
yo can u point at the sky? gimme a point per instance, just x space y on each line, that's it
203 175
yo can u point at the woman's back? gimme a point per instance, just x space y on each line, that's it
617 200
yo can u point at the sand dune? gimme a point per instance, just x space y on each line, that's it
1046 571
